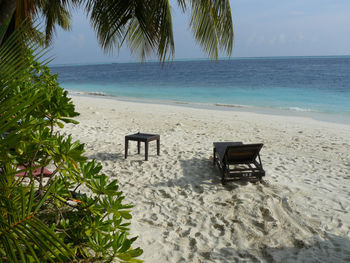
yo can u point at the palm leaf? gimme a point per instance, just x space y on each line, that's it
146 25
20 230
163 21
55 12
212 27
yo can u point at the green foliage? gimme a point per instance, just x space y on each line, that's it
74 214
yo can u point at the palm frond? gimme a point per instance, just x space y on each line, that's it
145 25
55 12
21 227
13 63
163 21
182 4
109 19
212 26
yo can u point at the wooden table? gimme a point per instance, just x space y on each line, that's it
142 137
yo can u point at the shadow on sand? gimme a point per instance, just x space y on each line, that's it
203 171
105 156
199 172
331 248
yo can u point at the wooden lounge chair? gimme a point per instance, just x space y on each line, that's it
238 161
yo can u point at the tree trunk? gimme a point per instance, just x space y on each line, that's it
7 7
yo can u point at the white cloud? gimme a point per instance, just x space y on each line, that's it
256 39
79 39
282 38
279 39
301 36
272 41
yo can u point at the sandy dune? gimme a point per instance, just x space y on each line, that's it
300 213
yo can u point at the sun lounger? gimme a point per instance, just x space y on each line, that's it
238 161
35 172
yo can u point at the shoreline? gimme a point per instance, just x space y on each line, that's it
318 116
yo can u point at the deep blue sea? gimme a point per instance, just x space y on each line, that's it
295 84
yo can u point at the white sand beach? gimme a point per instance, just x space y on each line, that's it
182 213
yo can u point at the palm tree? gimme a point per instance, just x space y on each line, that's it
144 25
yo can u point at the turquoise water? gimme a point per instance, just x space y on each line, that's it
302 84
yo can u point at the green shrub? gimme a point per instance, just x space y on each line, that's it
51 219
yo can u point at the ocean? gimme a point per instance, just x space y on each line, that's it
314 86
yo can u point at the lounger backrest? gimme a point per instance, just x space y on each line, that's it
242 153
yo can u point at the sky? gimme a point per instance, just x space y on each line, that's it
262 28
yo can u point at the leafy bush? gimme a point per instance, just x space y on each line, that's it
74 214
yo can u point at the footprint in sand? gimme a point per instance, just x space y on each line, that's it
266 214
193 244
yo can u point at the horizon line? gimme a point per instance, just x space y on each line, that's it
192 59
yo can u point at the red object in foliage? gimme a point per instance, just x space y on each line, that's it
35 172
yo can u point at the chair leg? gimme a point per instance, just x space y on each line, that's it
126 147
223 181
158 147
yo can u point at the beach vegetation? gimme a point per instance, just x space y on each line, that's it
55 204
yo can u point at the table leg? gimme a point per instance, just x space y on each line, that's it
138 147
214 153
146 151
126 147
158 146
